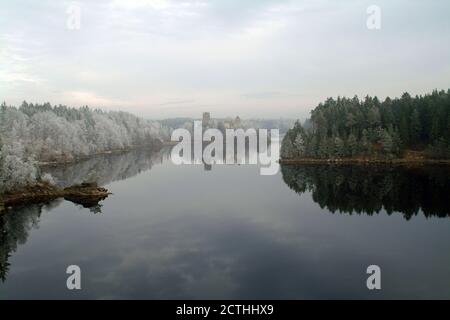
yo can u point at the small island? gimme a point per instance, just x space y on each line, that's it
86 194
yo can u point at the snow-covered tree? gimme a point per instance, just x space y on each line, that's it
54 134
299 144
17 169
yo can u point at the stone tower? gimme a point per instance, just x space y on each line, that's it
206 119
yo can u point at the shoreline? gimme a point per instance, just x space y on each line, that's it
350 161
85 194
155 148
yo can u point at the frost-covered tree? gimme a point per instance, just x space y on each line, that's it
287 149
2 160
17 169
299 144
42 133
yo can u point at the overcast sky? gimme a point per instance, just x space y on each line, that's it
265 58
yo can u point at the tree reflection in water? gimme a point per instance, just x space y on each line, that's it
107 168
16 224
14 230
367 189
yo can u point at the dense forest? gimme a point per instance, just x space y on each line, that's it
36 133
370 128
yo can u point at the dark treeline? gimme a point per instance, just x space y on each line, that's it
369 189
348 128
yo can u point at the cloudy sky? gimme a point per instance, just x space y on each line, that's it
262 58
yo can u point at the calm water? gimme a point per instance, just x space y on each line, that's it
172 232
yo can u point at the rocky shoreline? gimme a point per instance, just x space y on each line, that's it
85 194
366 161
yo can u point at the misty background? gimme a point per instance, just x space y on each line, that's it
265 58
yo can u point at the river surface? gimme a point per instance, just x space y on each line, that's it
227 232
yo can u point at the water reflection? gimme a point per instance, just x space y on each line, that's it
15 226
14 230
369 189
230 233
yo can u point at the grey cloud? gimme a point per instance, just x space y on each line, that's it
282 57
